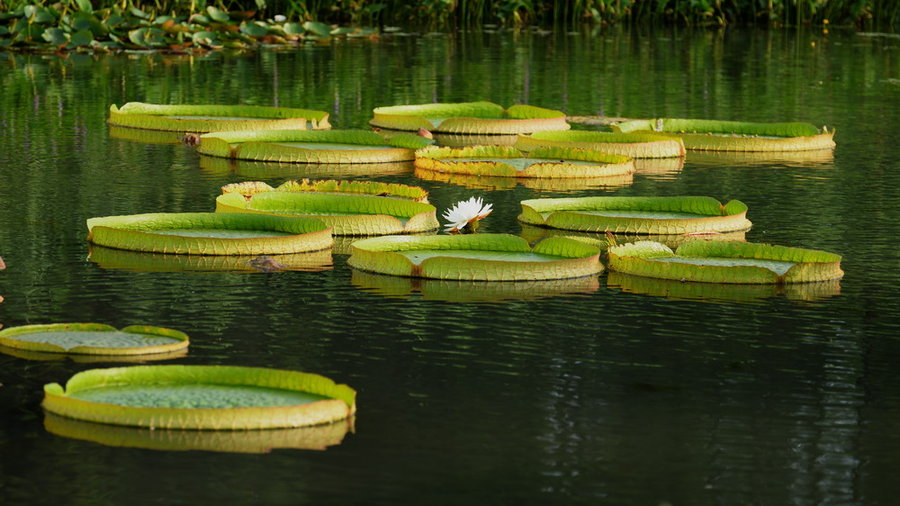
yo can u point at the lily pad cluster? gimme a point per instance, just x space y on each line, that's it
78 26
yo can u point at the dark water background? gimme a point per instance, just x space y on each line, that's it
623 392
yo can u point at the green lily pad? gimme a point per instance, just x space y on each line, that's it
93 339
311 147
81 38
476 257
56 36
637 215
714 135
218 14
201 397
139 261
320 29
504 161
469 118
634 145
254 28
345 214
210 233
206 118
725 262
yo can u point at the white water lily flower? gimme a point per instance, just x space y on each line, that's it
279 18
466 212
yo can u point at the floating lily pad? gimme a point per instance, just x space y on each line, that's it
139 261
270 170
208 118
319 147
372 188
725 262
637 215
721 292
201 397
317 437
346 214
466 140
210 233
93 339
713 135
45 356
764 159
476 257
471 291
481 118
634 145
505 161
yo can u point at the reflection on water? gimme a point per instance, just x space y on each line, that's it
562 185
318 437
533 234
215 166
717 292
145 136
82 358
110 258
470 291
658 168
812 158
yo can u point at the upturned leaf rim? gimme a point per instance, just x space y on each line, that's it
8 339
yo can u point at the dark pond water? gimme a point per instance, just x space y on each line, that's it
605 390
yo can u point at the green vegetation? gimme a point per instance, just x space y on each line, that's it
181 25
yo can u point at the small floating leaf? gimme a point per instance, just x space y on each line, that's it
320 29
218 15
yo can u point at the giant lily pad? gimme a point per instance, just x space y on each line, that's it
317 437
476 257
505 161
209 118
139 261
725 262
93 339
334 186
318 147
346 214
713 135
637 215
201 397
480 118
471 291
634 145
210 233
721 292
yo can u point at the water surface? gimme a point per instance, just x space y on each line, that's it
616 393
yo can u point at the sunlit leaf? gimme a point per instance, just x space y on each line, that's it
217 14
84 5
254 29
293 29
56 36
320 29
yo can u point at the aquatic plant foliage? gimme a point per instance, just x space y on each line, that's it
506 161
715 135
93 339
476 257
312 147
395 190
218 118
725 262
346 214
201 397
140 261
637 215
210 233
480 118
634 145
